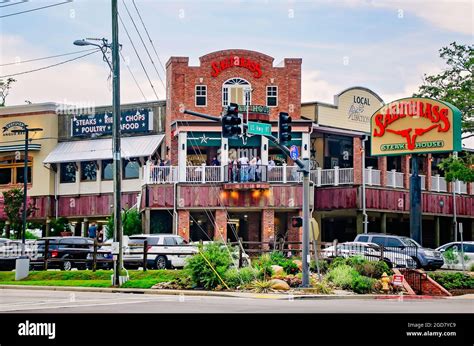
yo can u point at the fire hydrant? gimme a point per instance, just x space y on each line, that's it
385 282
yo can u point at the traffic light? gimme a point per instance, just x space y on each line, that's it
231 122
284 128
297 221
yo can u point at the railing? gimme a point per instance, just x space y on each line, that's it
285 174
459 186
395 179
372 176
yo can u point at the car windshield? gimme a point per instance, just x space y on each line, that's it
410 242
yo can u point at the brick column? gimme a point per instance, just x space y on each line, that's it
183 224
268 226
469 188
294 234
220 227
382 166
428 172
406 171
357 160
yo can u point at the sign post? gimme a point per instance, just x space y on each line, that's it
412 126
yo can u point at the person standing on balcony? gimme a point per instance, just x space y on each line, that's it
215 162
259 168
167 168
253 168
244 161
235 170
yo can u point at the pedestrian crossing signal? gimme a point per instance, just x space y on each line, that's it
231 122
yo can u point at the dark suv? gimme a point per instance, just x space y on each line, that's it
72 251
425 258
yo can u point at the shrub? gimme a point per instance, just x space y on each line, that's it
342 276
323 266
240 277
198 268
337 262
264 265
452 281
277 257
321 287
373 269
290 267
262 286
362 284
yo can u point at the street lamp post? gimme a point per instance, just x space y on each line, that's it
116 155
26 131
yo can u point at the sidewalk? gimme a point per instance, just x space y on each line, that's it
248 295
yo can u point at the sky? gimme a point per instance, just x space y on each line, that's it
383 45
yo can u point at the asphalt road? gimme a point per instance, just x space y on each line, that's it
49 301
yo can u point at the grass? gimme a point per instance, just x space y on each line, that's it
88 278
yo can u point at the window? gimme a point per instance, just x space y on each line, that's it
169 241
88 171
272 96
107 170
67 172
393 242
131 169
378 240
236 90
469 248
201 95
12 169
363 238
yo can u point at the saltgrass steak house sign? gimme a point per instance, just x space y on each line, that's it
415 125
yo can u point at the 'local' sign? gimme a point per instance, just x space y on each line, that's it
415 125
136 120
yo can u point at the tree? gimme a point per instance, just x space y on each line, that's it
458 168
131 223
5 86
455 83
13 207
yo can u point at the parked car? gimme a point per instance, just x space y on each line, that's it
234 252
104 254
10 250
425 258
72 251
371 252
452 255
164 251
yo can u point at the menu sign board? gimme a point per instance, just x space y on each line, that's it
132 120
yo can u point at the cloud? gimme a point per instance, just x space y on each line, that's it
314 88
452 15
84 81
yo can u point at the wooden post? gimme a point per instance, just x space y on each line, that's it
46 254
145 252
94 256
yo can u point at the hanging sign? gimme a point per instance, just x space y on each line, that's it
415 125
136 120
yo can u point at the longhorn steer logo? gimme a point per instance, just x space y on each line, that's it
415 109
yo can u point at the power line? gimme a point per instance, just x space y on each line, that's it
133 76
50 66
138 56
15 3
148 35
144 45
47 57
35 9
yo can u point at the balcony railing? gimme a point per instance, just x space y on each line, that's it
284 174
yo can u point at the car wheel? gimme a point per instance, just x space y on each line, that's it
66 264
161 262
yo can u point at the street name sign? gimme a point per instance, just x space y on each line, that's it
259 128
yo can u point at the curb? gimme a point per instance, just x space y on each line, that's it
217 294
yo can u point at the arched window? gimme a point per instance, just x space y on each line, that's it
236 90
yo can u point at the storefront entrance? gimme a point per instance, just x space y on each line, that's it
245 225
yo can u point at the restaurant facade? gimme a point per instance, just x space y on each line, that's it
181 174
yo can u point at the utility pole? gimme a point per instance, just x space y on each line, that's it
117 159
415 202
304 166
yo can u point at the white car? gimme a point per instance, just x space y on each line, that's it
369 251
163 251
452 255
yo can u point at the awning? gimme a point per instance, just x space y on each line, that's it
19 147
101 149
